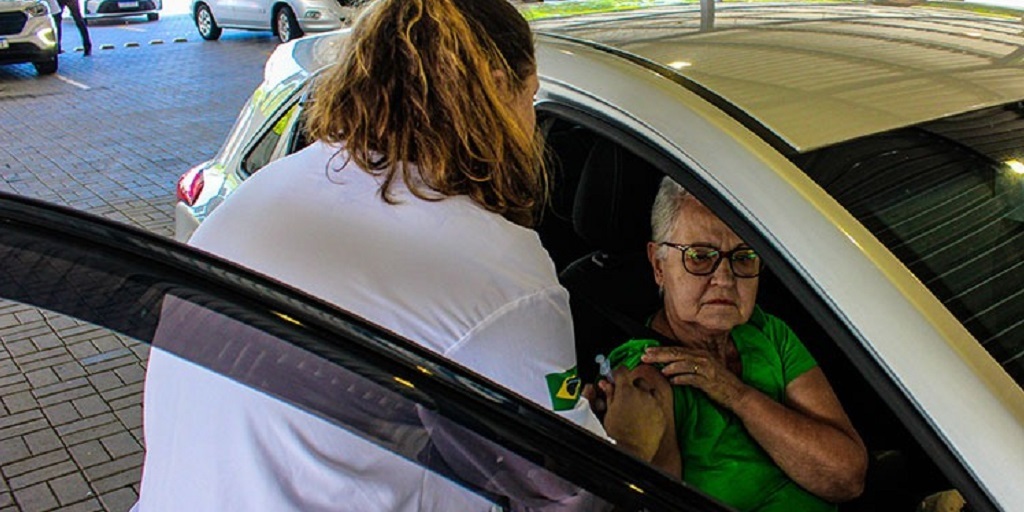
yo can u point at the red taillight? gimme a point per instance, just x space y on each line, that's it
190 185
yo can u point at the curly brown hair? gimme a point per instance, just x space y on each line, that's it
423 94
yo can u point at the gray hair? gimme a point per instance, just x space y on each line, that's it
665 211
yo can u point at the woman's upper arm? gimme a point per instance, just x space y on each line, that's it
812 395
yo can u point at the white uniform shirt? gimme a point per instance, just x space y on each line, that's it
463 282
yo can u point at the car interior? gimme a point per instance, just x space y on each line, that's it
596 228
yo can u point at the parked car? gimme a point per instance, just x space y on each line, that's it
287 19
92 9
28 34
873 155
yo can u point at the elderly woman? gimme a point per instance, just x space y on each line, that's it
756 422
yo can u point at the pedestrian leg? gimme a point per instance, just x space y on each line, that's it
83 29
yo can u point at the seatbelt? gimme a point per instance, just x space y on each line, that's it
632 328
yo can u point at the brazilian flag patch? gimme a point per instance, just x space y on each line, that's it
564 388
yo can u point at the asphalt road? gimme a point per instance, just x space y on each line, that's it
108 134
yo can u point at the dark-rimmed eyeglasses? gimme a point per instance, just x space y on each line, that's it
703 260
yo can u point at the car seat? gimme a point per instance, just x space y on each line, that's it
611 212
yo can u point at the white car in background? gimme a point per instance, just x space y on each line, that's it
873 155
288 19
28 34
92 9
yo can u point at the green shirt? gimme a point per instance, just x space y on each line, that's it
719 456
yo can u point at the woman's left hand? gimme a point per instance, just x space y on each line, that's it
701 369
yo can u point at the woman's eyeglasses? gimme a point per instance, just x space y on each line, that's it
703 260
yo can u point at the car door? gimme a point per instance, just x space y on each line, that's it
873 316
313 357
253 13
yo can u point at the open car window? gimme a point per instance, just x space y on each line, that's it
596 229
312 356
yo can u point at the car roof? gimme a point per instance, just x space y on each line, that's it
797 69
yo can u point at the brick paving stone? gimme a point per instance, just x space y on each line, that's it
131 374
69 371
48 341
83 350
89 505
85 425
127 360
61 414
45 359
90 405
42 378
130 417
71 489
93 432
121 444
105 381
89 453
29 315
64 392
19 419
23 428
6 499
7 320
8 368
13 387
13 449
19 336
33 464
133 390
43 441
114 471
37 498
120 499
43 474
19 402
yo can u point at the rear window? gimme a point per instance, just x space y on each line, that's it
947 197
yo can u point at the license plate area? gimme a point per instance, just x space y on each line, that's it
128 5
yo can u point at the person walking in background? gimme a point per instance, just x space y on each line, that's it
76 14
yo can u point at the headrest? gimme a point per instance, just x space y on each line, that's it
612 210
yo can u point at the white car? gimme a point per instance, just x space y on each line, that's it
288 19
874 156
92 9
28 34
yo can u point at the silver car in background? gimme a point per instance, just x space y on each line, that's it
288 19
92 9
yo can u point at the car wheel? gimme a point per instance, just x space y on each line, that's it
287 27
207 26
153 16
46 67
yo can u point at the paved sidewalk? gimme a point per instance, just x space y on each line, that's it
109 134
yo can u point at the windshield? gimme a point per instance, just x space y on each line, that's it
947 197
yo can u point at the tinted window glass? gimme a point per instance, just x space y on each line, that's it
263 152
947 198
356 376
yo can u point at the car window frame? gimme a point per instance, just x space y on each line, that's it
614 124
